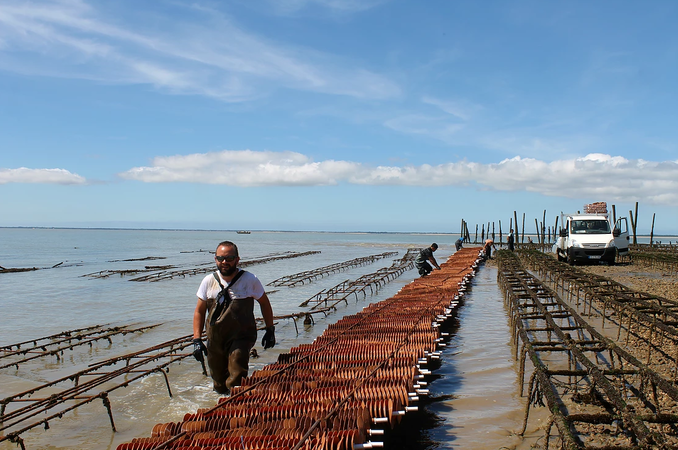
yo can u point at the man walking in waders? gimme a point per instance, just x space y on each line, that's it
425 255
226 309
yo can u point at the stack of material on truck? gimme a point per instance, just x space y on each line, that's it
596 208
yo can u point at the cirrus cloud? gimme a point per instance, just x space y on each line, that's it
206 54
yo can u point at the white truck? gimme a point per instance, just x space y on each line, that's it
591 238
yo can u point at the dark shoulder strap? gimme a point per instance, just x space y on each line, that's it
216 277
235 278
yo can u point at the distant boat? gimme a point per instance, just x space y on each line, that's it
244 232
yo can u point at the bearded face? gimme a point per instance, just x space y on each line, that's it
227 260
228 270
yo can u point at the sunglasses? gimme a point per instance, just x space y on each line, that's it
229 258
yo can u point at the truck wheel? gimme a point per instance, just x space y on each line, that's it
611 261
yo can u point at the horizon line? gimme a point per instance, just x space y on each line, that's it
275 231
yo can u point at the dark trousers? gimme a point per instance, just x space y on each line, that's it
424 268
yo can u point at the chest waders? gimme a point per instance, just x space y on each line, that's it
231 334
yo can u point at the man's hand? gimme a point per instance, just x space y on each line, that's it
269 337
198 350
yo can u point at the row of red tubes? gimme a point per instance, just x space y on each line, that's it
363 373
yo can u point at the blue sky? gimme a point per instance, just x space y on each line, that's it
336 115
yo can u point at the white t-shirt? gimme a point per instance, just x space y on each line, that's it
248 285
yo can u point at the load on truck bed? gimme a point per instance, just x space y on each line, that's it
591 237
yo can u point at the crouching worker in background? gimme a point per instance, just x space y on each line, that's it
226 308
425 255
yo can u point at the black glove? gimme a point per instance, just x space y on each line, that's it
268 340
198 349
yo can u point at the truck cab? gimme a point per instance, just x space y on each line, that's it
591 238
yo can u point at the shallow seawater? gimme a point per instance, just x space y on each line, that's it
474 399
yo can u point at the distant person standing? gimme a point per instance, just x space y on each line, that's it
509 240
226 309
458 244
426 255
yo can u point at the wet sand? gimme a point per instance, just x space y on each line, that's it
637 276
640 277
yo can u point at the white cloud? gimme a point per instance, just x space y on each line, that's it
607 159
611 177
340 6
47 176
244 168
209 56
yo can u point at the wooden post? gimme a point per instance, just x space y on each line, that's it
614 215
652 231
635 225
522 239
500 238
493 231
515 226
476 239
536 224
543 229
555 230
482 234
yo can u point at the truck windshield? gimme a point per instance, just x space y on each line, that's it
590 227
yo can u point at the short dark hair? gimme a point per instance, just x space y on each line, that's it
434 245
228 244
